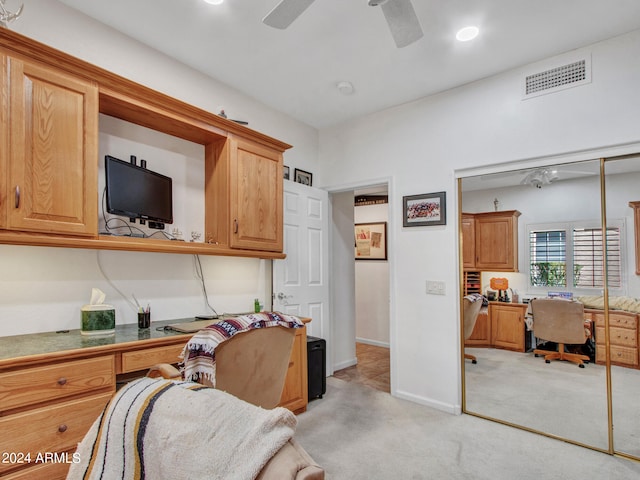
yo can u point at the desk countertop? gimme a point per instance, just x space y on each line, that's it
53 342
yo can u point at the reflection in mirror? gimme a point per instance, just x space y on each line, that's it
622 178
555 211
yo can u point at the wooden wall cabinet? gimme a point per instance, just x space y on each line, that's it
490 241
52 156
49 108
636 233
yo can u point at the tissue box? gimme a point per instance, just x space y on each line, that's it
98 320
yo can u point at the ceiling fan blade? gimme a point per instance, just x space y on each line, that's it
403 22
285 13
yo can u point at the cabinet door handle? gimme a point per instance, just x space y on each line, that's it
62 428
17 196
235 225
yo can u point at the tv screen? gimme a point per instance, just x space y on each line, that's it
136 192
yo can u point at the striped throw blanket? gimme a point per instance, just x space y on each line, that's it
158 429
199 356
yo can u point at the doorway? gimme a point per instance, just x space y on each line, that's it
369 362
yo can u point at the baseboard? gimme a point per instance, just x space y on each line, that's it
443 407
375 343
345 364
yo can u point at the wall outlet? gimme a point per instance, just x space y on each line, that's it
435 288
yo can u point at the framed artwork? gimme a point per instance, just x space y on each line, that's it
425 209
371 241
303 177
286 172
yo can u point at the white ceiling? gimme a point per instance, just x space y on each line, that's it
296 70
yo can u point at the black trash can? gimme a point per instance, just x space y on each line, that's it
316 367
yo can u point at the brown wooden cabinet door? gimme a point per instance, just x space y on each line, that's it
481 335
295 392
496 243
53 151
256 197
507 326
468 242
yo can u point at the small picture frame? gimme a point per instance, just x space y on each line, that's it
300 176
286 172
370 241
425 209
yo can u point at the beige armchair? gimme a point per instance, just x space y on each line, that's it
252 366
471 308
562 322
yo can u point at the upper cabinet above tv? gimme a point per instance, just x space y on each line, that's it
49 107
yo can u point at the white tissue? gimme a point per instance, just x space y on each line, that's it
97 297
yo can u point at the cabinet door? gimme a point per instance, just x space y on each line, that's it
507 326
256 197
295 392
481 335
4 138
468 242
496 242
53 151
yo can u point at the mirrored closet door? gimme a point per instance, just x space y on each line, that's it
555 214
622 178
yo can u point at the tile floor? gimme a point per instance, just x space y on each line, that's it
372 368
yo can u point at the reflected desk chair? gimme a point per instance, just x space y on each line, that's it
562 322
471 308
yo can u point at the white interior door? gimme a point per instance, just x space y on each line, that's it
300 282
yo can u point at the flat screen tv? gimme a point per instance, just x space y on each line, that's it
137 192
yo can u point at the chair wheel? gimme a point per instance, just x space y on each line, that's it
536 355
581 365
547 361
474 361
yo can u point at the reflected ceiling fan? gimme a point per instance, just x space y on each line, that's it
537 177
400 15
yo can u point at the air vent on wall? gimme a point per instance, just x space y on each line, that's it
565 76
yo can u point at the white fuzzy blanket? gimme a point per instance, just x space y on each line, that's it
158 429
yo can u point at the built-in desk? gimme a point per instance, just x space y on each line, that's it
54 385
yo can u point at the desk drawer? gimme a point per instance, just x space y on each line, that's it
618 336
56 428
29 386
617 319
619 355
143 359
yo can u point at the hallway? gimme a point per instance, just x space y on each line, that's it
372 368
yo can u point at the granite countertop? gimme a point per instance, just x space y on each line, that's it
50 342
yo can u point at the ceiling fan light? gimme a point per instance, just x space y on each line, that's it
467 33
214 2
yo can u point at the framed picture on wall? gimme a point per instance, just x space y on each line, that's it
286 172
303 177
371 241
425 209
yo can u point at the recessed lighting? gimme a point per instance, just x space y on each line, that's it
214 2
467 33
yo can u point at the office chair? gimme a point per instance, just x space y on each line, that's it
251 365
471 307
562 322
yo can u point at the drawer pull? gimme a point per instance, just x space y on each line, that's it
62 381
62 428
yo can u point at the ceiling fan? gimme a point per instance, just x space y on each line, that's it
400 15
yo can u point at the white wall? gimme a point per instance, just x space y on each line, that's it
372 286
43 289
421 145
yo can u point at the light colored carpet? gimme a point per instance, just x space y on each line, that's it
356 432
558 398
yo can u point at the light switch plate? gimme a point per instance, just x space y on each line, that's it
436 288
